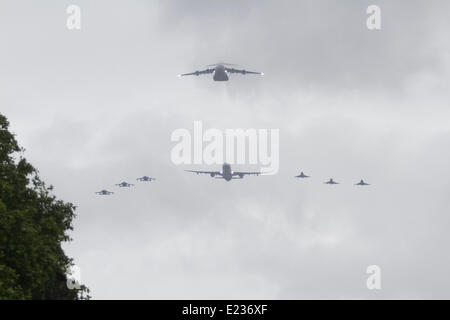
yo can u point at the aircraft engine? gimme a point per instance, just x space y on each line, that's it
241 175
213 175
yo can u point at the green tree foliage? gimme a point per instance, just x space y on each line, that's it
33 224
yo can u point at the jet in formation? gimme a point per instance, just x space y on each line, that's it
145 178
220 71
302 175
226 173
362 183
104 193
331 181
124 185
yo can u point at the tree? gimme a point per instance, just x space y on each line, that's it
33 225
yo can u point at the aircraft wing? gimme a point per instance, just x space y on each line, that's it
197 73
233 70
205 172
243 173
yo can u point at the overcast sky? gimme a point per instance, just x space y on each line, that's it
97 106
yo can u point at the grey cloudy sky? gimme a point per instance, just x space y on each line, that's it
97 106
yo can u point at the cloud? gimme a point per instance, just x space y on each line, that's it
97 107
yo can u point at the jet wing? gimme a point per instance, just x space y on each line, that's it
197 73
233 70
205 172
243 173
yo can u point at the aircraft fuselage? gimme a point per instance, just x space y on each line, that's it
220 74
227 174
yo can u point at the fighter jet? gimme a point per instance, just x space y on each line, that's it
226 173
104 193
220 71
362 183
301 175
331 181
124 184
145 178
